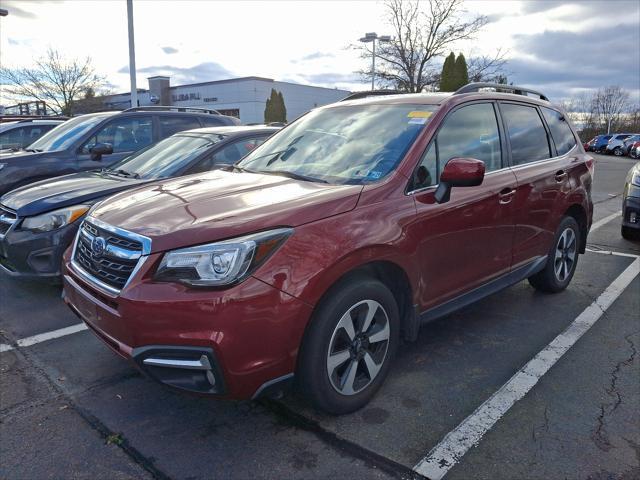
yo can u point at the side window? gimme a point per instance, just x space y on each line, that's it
174 124
124 134
211 122
11 138
527 135
560 130
470 131
227 155
35 132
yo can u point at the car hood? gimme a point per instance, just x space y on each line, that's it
205 208
54 193
20 155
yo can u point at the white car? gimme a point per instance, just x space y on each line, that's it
616 144
22 133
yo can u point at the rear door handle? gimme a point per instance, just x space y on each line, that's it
506 195
561 175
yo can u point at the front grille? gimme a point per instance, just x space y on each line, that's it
117 260
7 218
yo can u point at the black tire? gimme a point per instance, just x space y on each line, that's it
548 279
629 233
324 332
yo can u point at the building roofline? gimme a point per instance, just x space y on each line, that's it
228 80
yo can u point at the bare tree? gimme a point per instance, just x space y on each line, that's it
609 103
488 68
56 80
419 36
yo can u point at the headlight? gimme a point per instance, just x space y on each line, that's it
221 263
53 220
635 179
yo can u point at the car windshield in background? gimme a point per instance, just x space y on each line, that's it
66 133
344 145
166 157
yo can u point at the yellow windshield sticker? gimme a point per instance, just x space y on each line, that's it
417 114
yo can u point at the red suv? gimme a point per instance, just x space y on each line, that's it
335 239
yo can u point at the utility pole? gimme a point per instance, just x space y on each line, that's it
132 55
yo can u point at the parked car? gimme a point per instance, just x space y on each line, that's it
615 145
598 143
40 220
335 238
90 141
634 151
628 143
21 133
631 205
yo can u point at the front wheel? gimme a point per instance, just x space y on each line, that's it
629 233
617 152
349 345
561 260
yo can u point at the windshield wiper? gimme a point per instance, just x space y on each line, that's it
33 150
295 176
122 173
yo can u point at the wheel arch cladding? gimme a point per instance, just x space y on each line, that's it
395 278
578 213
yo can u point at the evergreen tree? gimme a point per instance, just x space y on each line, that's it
270 109
461 73
283 109
448 71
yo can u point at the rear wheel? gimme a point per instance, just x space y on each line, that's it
618 152
561 260
349 345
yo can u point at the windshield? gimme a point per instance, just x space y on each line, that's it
66 133
344 145
166 157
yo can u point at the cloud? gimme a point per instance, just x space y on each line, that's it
316 55
330 78
203 72
169 50
573 60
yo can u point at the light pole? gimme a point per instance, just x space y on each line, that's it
132 55
372 37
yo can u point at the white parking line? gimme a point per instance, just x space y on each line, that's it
466 435
605 220
43 337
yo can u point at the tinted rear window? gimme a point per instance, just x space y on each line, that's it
527 134
560 130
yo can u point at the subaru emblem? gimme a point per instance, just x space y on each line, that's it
98 246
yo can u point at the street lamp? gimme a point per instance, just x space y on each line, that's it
372 37
132 55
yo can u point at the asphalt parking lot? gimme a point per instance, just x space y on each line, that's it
462 401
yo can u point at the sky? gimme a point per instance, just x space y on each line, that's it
560 48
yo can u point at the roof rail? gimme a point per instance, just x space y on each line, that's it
169 108
370 93
474 87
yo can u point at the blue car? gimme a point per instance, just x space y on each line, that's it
598 143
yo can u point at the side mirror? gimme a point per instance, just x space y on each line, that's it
100 149
459 172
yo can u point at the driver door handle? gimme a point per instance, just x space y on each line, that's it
506 195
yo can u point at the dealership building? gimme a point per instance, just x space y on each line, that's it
244 97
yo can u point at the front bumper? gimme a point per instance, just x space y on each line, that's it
631 211
35 255
250 333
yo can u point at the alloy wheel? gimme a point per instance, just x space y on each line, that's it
565 254
358 347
